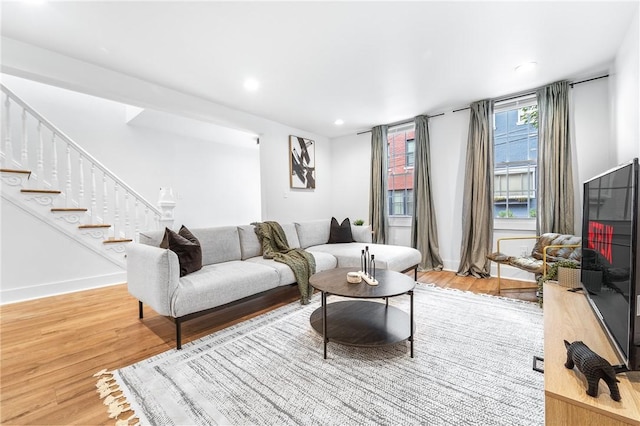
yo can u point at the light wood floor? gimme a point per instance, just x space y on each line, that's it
50 348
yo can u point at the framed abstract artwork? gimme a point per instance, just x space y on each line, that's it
302 163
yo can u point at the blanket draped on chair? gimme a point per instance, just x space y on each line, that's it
275 246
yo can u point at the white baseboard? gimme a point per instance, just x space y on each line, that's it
62 287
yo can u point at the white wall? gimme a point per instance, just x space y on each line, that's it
448 134
279 201
351 175
593 150
625 84
38 260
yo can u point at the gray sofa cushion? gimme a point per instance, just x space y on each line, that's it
361 234
249 242
219 244
324 261
313 233
395 258
291 233
221 283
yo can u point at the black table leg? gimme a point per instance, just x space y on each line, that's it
324 323
411 322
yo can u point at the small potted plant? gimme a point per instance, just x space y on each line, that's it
566 272
358 222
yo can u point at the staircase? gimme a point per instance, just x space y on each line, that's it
51 177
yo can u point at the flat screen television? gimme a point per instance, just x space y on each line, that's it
610 258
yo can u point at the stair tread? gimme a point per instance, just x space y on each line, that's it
42 191
97 225
118 240
77 209
25 172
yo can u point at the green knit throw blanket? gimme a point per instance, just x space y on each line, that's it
275 246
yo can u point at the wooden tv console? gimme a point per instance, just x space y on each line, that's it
568 316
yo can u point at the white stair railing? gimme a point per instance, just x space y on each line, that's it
39 150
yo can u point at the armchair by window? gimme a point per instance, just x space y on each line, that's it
548 249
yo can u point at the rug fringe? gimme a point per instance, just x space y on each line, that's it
115 400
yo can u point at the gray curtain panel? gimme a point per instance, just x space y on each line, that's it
424 230
555 174
378 195
477 207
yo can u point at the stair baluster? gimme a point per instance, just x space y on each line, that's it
80 181
40 164
8 148
146 218
136 222
116 211
127 230
24 157
94 204
67 193
105 201
55 183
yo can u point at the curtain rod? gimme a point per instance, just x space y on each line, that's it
589 79
399 123
510 97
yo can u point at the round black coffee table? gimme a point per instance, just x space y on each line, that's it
362 322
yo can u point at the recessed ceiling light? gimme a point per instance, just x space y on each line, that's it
251 84
527 66
339 122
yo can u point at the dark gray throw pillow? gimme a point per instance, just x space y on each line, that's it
186 246
340 233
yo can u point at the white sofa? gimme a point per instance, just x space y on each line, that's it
234 269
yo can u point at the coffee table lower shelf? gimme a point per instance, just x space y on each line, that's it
363 323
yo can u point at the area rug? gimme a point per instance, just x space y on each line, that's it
472 366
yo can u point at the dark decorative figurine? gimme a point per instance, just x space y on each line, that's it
594 368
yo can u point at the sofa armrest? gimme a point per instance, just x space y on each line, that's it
153 275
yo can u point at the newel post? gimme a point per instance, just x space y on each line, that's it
166 203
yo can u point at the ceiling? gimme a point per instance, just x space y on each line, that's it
367 63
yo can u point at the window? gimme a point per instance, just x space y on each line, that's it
516 156
401 160
410 153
